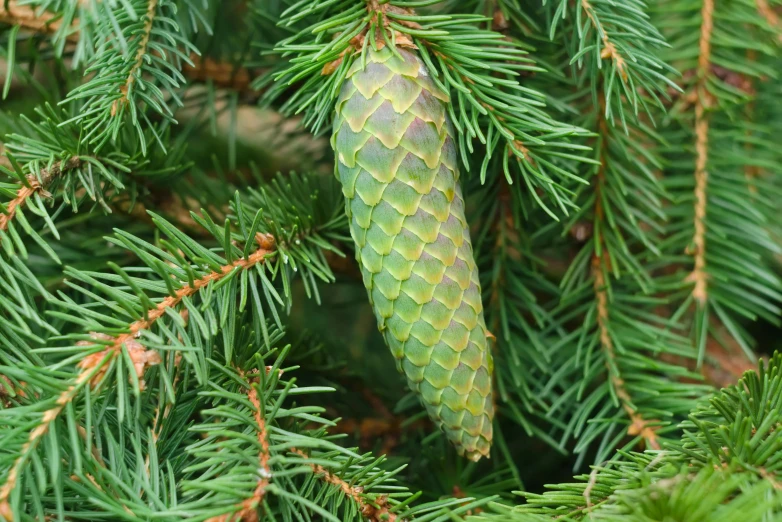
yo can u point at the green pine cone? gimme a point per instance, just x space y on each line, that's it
397 162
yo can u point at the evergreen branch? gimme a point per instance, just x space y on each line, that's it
248 508
611 288
609 51
36 184
95 362
711 221
93 367
601 262
699 276
725 467
326 479
376 511
136 50
638 425
143 42
615 42
223 74
41 153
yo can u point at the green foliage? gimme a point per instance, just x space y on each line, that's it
621 175
478 67
724 467
739 204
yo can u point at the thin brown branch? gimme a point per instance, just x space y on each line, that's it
247 510
93 367
36 184
146 33
609 51
223 74
638 425
12 13
374 511
600 263
699 275
590 486
771 16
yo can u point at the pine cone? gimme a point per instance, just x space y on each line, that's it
397 162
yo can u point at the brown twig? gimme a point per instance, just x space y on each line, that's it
638 425
590 486
11 12
224 75
36 185
96 364
771 16
140 53
247 510
375 511
699 276
609 51
600 261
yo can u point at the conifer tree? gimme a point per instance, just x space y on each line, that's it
390 260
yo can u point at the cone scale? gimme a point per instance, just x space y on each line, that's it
397 163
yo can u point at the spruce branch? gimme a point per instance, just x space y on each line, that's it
143 42
136 52
615 43
376 511
223 74
699 276
724 467
92 369
36 185
722 83
306 474
53 169
601 262
638 425
248 508
609 50
292 226
611 289
606 237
